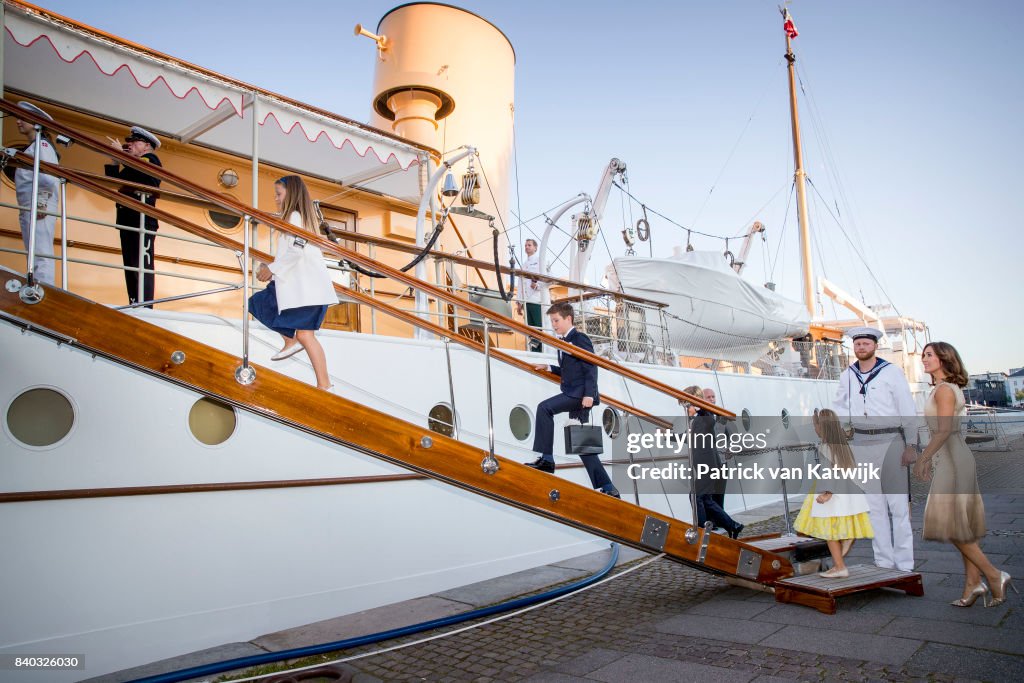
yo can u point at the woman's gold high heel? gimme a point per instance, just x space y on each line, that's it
1004 581
980 590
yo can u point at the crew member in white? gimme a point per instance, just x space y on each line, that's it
531 292
875 397
46 200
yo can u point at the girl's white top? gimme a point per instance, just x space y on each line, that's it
300 273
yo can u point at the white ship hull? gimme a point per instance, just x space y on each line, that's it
132 579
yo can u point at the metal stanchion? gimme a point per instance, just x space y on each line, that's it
140 290
785 499
245 374
489 464
451 387
32 293
64 233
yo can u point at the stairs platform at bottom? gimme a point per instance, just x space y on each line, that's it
820 593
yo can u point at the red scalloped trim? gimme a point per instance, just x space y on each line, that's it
206 103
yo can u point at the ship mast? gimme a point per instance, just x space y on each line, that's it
799 176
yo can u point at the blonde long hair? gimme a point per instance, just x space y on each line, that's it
296 198
826 422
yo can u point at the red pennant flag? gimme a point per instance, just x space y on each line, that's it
788 26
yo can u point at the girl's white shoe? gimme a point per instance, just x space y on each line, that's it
287 352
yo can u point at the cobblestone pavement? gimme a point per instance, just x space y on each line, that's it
668 622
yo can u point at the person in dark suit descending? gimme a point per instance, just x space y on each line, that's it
579 394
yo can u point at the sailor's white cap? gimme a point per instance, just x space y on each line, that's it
872 333
28 106
139 133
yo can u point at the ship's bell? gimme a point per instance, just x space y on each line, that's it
450 189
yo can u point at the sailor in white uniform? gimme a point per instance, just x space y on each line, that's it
531 293
874 396
46 198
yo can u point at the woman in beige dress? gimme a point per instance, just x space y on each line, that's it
955 512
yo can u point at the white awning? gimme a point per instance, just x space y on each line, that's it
75 66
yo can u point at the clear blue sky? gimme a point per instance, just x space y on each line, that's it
920 101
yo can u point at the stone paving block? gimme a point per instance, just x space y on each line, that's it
594 562
958 633
964 662
897 604
657 670
361 623
589 661
732 609
863 646
208 656
554 677
717 628
798 615
764 678
510 586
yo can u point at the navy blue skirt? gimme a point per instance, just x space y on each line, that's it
263 306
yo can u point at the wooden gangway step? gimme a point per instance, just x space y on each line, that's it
820 592
777 544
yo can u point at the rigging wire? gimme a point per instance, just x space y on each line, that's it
678 225
782 231
833 174
769 84
860 256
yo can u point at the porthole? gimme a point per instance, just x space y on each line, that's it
222 220
40 417
520 421
441 420
612 422
745 419
211 422
785 418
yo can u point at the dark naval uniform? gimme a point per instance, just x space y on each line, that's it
129 217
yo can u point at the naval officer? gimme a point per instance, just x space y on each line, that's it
46 196
141 144
874 396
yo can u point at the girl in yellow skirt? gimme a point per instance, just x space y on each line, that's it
838 515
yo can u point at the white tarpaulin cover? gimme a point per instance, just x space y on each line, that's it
56 60
713 312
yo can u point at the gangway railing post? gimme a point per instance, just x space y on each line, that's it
373 311
451 389
490 463
785 498
32 293
140 290
245 374
64 233
691 533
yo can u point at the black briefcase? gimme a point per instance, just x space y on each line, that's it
584 439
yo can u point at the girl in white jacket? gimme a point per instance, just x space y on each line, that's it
295 302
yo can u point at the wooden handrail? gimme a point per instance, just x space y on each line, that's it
325 246
224 241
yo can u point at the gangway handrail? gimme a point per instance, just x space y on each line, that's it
322 243
405 316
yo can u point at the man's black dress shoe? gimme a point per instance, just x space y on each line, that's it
736 530
542 465
613 493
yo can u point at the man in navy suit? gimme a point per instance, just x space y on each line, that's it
579 395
